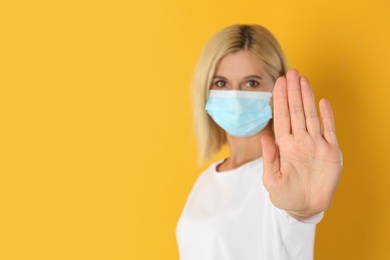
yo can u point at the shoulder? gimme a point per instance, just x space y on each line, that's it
208 173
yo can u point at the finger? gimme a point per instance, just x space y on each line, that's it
281 114
328 125
295 106
313 125
271 161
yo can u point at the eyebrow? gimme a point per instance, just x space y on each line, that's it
253 76
247 77
219 77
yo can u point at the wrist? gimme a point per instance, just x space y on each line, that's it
306 217
300 215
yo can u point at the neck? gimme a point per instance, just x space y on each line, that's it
245 149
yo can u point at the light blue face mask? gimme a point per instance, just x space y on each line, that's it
238 112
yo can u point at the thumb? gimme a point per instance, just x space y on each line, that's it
271 161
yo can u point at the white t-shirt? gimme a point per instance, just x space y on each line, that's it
229 216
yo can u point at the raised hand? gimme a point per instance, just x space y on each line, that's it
303 164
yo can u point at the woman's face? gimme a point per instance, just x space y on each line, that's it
241 71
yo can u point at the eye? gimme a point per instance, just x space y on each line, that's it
252 83
220 83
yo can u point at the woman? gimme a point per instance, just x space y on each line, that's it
264 200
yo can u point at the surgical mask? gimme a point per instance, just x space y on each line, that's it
238 112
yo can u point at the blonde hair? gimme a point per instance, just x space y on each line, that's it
254 38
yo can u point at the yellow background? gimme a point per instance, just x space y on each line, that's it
97 151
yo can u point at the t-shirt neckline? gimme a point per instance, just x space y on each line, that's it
238 169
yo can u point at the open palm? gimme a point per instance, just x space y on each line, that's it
303 164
